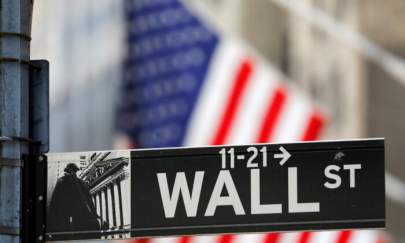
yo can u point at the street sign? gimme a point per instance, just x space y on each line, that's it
221 189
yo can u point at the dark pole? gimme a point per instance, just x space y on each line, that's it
15 28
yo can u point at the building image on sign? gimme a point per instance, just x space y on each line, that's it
89 192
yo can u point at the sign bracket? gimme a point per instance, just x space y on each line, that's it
34 199
39 104
34 172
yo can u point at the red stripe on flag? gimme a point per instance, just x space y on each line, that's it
382 238
276 104
304 237
344 236
272 238
184 239
225 238
314 127
239 86
140 240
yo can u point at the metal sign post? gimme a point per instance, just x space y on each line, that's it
34 170
210 190
15 29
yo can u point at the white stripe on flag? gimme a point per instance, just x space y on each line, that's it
214 94
325 237
164 240
293 118
289 237
252 109
364 236
249 238
204 239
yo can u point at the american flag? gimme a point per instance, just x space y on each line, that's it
186 84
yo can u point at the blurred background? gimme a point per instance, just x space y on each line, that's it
345 57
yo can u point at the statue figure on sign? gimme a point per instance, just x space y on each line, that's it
71 207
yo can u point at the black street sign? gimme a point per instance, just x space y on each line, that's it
210 190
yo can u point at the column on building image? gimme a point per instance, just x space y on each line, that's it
104 218
107 201
113 206
110 207
126 204
98 205
118 202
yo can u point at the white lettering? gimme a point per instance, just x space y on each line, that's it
224 179
180 186
256 207
332 176
293 205
352 169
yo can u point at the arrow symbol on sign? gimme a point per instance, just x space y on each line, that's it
284 156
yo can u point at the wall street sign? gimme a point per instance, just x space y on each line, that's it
209 190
